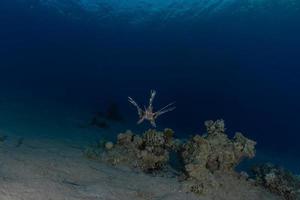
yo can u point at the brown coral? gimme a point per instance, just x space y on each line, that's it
217 126
204 155
149 152
278 181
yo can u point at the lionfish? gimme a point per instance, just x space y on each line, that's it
148 113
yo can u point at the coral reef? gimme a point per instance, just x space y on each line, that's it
278 181
205 155
206 163
149 152
148 113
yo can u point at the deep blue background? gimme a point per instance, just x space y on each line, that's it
243 68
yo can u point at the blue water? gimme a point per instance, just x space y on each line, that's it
236 60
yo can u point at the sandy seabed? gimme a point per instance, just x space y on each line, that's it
49 169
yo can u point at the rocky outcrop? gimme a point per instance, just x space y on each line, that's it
278 180
149 152
213 152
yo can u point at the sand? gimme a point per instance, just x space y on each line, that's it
57 170
47 169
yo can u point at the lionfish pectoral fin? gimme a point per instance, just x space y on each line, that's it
165 109
141 120
139 110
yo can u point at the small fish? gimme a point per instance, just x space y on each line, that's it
148 113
